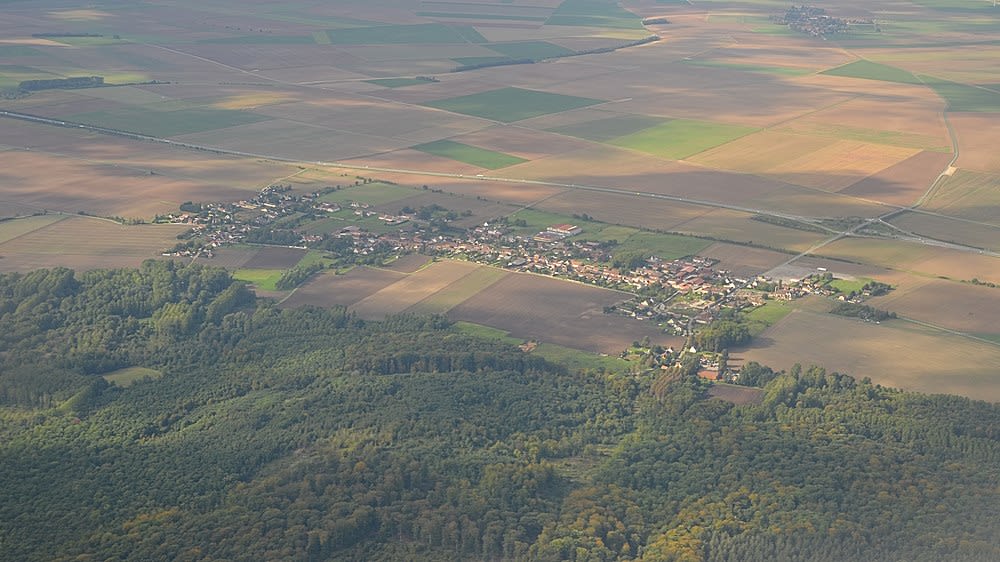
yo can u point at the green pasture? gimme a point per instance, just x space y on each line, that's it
873 71
604 130
412 34
609 233
396 82
577 360
129 375
964 97
476 156
166 123
848 285
681 138
534 50
665 246
264 279
485 332
757 68
768 315
594 13
375 193
540 220
511 104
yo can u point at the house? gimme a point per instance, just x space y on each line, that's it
565 229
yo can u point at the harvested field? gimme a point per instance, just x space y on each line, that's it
412 289
330 289
520 141
873 71
408 263
230 257
86 243
895 354
511 104
907 256
807 202
410 159
969 195
743 261
11 229
459 291
555 311
977 141
275 257
840 164
165 123
514 193
903 183
624 209
950 230
736 226
956 306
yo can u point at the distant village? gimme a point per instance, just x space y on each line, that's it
815 21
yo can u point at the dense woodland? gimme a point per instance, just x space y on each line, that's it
310 435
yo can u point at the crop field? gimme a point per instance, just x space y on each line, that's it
664 246
534 50
873 71
908 256
536 220
555 311
412 288
963 97
86 243
680 138
742 260
588 13
609 128
968 195
166 123
375 193
976 235
624 209
330 289
511 104
977 141
476 156
408 263
432 33
520 141
957 306
11 229
275 257
816 203
129 375
735 226
396 82
261 279
840 164
903 183
893 354
459 291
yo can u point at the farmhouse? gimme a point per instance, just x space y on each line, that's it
565 229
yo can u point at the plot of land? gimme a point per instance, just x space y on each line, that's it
971 234
873 71
87 243
909 256
663 246
903 183
742 260
405 34
893 354
968 195
459 291
330 289
412 289
166 123
11 229
476 156
977 141
511 104
561 312
275 257
609 128
624 209
735 226
957 306
681 138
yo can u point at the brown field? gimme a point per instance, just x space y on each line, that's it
275 257
808 202
968 195
330 289
408 159
971 63
976 235
743 260
86 243
956 306
909 256
459 291
736 226
739 395
903 183
506 192
11 229
624 209
555 311
412 289
521 142
841 164
977 140
408 263
230 257
895 354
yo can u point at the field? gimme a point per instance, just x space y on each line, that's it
412 289
893 354
459 291
976 235
968 195
376 193
275 257
963 307
681 138
85 243
128 376
262 279
476 156
664 246
511 104
165 123
609 128
330 289
873 71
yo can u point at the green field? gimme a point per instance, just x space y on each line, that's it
540 220
609 233
594 13
166 123
665 246
768 315
534 50
18 51
758 68
375 193
873 71
603 130
848 286
485 332
261 278
127 376
681 138
476 156
414 34
511 104
396 82
963 97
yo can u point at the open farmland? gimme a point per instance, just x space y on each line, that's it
412 289
554 311
977 141
976 235
275 257
86 243
331 289
903 183
742 260
894 354
459 291
957 306
476 156
511 104
968 195
681 138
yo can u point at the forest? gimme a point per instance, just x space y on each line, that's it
309 434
